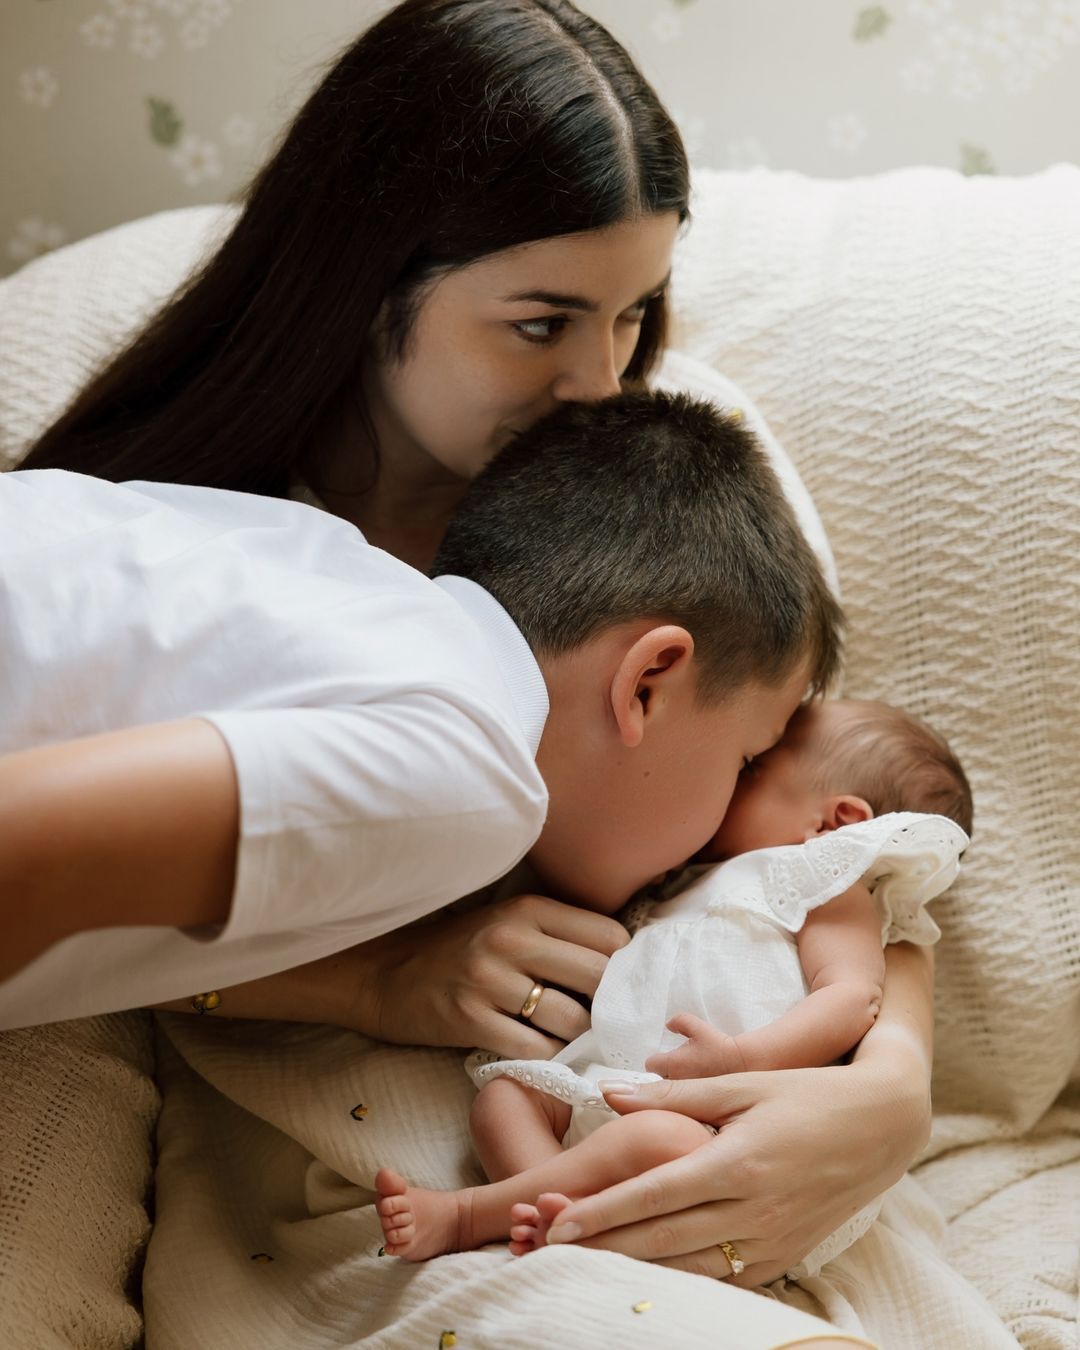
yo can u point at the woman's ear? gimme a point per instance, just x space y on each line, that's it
838 811
652 669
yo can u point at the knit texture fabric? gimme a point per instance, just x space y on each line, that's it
77 1114
914 342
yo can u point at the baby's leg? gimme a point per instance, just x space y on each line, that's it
418 1224
514 1127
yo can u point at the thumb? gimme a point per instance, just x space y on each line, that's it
712 1100
686 1024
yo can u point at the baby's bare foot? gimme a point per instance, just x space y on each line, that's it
525 1223
530 1223
419 1224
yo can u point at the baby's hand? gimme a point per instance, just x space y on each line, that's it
707 1052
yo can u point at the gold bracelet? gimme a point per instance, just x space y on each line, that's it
204 1003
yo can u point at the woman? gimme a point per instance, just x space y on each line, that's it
471 220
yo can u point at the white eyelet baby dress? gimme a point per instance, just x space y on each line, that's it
720 943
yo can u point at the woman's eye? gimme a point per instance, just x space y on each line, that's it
540 330
635 313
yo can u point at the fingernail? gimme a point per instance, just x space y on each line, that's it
617 1086
564 1232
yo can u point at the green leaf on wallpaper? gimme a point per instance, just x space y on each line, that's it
684 3
871 22
975 160
165 125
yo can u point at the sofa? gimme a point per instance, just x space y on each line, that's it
913 341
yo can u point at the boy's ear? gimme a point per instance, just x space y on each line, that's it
652 668
838 811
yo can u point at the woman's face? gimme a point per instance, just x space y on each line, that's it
501 342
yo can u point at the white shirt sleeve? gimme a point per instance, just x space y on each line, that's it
385 810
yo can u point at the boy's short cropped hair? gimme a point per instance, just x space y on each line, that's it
649 505
893 760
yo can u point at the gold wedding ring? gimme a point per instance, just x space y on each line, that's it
734 1260
529 1006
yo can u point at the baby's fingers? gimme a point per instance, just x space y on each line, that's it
686 1024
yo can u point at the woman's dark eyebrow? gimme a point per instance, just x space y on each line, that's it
559 301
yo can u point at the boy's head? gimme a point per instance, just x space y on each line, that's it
841 761
647 553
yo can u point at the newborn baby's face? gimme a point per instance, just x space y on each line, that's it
776 800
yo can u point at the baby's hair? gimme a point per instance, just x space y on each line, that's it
649 506
893 760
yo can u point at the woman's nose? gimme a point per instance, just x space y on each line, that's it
589 376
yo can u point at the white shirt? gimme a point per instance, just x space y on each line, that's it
383 726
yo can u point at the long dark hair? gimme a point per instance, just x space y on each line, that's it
450 130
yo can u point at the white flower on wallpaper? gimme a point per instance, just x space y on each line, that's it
847 132
966 84
930 11
38 86
32 237
667 27
1008 43
196 160
1063 21
1001 36
238 131
747 153
917 76
133 10
141 21
195 32
99 30
953 44
146 40
215 12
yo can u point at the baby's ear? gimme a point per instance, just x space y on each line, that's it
839 811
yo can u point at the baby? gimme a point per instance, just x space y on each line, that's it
769 956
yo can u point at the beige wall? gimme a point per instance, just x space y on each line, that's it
110 109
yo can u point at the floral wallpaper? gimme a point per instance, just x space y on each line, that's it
111 109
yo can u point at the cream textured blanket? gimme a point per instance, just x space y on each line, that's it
914 341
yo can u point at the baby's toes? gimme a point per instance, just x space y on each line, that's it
524 1213
550 1205
389 1206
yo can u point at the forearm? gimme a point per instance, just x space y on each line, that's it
904 1030
129 828
333 991
817 1031
897 1051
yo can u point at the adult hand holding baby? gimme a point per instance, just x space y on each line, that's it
798 1151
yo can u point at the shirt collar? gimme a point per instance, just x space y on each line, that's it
513 656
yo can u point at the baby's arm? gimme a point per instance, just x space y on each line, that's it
840 951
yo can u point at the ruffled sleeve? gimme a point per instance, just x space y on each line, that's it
904 859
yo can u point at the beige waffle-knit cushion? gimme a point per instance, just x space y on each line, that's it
914 342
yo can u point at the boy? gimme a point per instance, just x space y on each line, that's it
235 738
